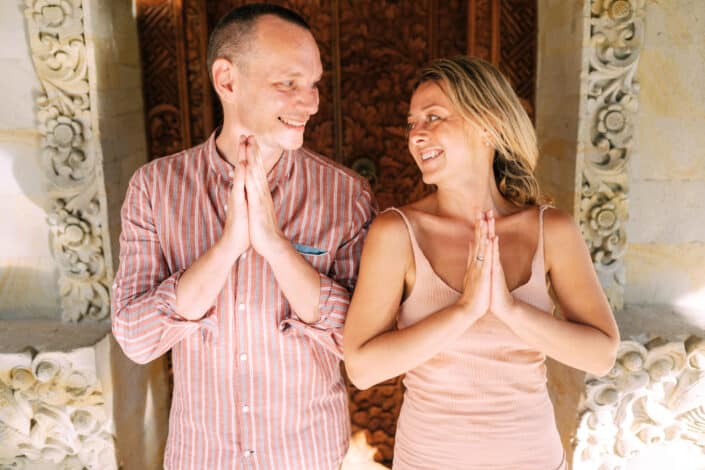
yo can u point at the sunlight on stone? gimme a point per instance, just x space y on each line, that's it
693 300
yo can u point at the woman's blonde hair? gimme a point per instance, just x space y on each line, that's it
484 97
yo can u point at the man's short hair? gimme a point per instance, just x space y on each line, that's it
232 36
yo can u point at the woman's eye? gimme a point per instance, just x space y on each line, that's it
409 126
432 118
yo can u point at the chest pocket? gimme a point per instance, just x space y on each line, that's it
317 257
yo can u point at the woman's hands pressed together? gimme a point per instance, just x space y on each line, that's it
484 286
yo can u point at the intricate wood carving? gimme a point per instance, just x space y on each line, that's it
159 25
70 157
371 52
52 412
387 43
507 38
655 394
199 103
517 47
616 36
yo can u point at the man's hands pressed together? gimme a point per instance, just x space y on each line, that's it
251 219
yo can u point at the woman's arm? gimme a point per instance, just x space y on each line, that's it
374 350
588 337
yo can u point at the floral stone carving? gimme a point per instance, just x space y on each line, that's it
616 36
654 395
52 412
70 157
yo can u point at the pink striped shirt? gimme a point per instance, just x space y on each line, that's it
254 387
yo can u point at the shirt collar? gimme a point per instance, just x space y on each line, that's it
221 167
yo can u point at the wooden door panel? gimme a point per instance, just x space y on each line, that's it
371 51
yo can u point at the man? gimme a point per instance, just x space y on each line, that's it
239 255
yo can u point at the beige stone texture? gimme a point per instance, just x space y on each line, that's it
116 93
18 80
27 273
29 301
666 254
139 398
664 274
558 107
558 98
667 212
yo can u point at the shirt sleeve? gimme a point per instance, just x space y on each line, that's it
338 284
144 320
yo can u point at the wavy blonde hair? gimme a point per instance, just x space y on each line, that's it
483 96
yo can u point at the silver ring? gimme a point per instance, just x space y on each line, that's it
479 258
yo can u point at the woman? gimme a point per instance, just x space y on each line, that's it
452 289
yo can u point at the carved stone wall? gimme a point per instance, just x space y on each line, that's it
52 412
615 39
650 406
71 158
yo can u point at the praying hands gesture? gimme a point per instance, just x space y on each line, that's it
484 286
250 216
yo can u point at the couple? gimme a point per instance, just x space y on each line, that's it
239 256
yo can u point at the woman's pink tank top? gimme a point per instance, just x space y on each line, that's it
482 402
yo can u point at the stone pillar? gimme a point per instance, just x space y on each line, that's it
637 170
68 396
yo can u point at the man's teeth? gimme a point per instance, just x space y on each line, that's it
292 123
430 154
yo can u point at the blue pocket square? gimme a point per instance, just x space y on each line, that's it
308 250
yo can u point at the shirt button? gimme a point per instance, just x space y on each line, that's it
245 409
241 307
243 357
248 452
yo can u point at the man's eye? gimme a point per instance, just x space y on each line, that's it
287 83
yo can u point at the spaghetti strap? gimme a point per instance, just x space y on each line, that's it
539 248
419 256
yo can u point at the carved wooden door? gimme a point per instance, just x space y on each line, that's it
371 51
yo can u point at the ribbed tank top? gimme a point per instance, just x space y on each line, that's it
482 402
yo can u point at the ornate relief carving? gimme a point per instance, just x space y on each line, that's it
68 152
517 48
616 35
52 412
199 88
654 394
161 39
375 411
386 44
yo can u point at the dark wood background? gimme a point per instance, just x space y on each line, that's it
371 51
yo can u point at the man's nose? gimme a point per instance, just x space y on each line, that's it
308 100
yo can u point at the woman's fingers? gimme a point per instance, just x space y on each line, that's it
480 241
490 225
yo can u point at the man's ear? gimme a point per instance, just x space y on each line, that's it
225 76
